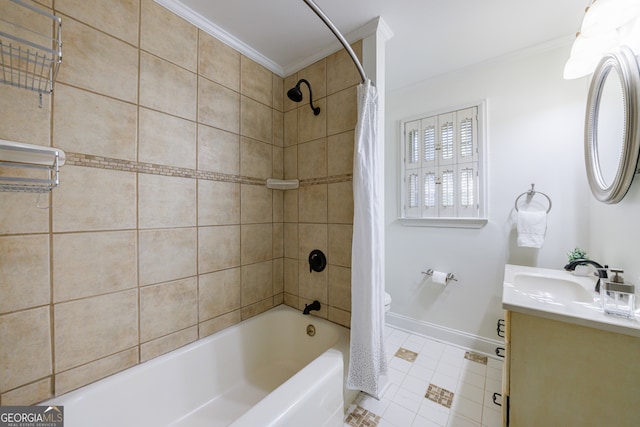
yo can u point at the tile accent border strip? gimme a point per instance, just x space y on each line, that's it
99 162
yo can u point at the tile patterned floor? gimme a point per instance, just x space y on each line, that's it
433 384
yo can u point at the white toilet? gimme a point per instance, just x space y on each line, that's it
387 302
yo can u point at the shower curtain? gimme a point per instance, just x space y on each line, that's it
367 360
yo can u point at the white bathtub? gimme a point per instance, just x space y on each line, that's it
265 371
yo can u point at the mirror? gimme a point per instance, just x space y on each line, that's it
611 131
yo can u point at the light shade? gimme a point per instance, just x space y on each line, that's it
606 15
606 25
586 52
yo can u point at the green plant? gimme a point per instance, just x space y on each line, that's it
577 253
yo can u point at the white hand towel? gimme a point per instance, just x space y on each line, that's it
532 227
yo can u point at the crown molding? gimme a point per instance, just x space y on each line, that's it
374 26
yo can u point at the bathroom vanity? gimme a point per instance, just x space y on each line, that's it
566 362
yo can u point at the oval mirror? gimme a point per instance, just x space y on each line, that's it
611 133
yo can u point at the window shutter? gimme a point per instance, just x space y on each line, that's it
441 166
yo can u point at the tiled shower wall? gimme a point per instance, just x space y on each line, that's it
162 230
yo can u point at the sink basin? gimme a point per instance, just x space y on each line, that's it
560 295
551 288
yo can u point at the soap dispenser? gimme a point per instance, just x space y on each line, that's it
618 298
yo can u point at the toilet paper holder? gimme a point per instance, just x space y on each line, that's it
449 276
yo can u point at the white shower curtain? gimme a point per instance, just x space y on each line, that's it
367 360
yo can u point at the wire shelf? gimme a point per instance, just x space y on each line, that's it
30 47
27 168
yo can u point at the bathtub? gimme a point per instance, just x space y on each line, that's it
264 371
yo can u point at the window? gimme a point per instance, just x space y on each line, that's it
442 169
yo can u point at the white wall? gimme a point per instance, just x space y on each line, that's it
534 135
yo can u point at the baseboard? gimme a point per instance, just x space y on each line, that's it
441 333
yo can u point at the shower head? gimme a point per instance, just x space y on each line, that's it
295 94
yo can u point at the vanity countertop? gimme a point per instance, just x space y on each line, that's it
561 295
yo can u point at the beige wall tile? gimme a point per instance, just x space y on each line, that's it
28 395
256 204
92 328
219 293
18 213
168 254
166 140
312 159
310 237
291 276
218 106
340 287
256 120
312 204
156 23
257 308
316 75
341 72
218 203
312 285
98 62
291 240
167 87
256 159
26 347
342 111
89 123
291 162
166 201
340 239
257 283
90 264
218 248
168 343
278 163
340 153
340 317
278 277
278 93
167 308
340 197
278 240
256 243
290 132
25 279
218 151
219 62
256 81
291 300
278 129
94 199
219 323
310 126
95 370
278 205
116 17
291 206
24 120
288 83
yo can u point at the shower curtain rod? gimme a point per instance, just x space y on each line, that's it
339 36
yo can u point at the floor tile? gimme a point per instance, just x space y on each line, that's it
432 384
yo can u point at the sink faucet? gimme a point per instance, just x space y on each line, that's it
310 307
601 271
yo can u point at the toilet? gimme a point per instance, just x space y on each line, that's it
387 302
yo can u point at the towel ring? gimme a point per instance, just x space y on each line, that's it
532 193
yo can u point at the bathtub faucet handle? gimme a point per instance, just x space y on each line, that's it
315 305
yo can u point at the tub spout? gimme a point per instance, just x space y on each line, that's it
310 307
